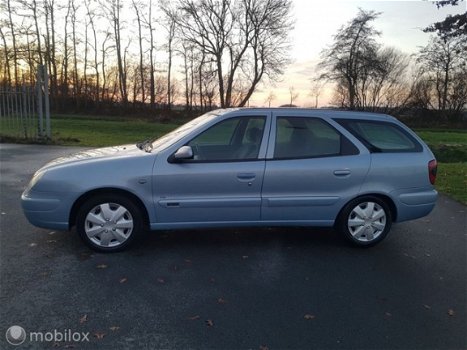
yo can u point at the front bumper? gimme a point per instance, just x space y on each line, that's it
47 209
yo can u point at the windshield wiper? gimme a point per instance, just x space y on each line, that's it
145 145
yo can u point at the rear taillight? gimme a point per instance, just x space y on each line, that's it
432 170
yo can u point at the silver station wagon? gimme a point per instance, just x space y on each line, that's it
358 172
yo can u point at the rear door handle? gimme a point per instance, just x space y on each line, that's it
244 177
343 172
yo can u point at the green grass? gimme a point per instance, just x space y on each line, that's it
93 132
89 132
449 146
452 180
450 149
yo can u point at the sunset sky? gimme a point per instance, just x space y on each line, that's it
317 21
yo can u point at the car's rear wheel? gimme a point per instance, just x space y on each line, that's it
109 223
365 221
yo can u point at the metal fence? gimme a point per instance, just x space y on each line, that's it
25 109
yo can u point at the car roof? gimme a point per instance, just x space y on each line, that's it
330 113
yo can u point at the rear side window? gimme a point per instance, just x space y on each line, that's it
381 136
303 137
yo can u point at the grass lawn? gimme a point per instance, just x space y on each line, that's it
93 132
452 180
449 146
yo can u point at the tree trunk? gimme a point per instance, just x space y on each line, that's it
13 39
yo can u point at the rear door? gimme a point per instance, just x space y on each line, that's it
312 170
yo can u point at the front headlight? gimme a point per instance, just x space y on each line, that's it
37 176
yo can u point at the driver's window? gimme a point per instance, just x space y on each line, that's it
220 134
229 140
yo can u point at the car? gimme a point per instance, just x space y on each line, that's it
355 171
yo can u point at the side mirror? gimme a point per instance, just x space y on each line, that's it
184 152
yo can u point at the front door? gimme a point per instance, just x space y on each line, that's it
222 182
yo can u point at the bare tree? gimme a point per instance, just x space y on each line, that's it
293 94
210 88
152 45
271 97
35 13
351 54
442 59
50 45
188 56
13 39
169 22
91 20
246 40
383 84
74 39
138 7
104 51
112 10
6 54
316 89
64 71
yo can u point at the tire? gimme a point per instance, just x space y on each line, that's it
109 223
365 221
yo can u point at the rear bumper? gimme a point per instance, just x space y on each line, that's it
46 210
415 203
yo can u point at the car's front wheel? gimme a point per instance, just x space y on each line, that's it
365 221
109 223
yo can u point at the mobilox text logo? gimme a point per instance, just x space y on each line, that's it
17 335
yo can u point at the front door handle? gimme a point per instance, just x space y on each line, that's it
245 177
343 172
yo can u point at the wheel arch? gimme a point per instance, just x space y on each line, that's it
385 198
102 191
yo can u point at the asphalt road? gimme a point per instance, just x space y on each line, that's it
231 288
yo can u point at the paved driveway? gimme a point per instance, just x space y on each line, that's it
230 288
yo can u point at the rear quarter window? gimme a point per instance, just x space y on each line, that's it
381 136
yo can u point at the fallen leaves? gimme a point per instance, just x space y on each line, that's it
32 244
451 312
221 301
102 266
99 335
114 328
309 317
161 280
428 307
209 322
84 256
83 319
123 280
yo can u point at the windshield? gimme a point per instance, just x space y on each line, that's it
175 135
